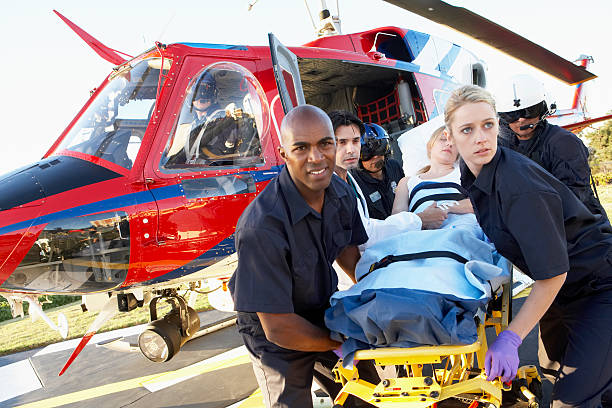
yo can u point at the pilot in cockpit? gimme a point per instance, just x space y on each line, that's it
204 103
214 128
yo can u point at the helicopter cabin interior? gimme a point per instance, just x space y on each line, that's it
377 94
388 95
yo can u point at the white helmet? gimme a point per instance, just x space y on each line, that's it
520 92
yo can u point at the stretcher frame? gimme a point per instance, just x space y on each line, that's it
460 378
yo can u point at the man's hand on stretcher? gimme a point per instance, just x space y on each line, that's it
293 332
433 216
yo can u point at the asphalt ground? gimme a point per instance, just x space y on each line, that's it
210 371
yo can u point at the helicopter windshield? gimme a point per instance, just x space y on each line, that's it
223 115
114 124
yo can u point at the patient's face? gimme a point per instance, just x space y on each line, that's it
443 151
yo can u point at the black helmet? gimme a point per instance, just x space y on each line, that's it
206 88
374 142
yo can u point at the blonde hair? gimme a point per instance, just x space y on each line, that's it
432 140
464 95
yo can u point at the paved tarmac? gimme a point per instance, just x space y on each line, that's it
211 371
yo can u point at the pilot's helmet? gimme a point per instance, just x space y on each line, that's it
523 96
206 88
374 142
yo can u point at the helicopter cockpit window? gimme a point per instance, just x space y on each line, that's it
114 124
221 120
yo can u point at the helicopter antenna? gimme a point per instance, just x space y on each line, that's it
163 30
328 24
310 14
251 4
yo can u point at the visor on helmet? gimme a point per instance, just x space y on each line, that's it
534 111
205 90
374 147
374 142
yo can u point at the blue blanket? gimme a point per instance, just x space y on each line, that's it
430 299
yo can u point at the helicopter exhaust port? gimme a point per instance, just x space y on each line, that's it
163 338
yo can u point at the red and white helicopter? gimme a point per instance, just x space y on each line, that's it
137 200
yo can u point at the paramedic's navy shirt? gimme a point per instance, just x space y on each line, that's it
537 223
286 250
379 194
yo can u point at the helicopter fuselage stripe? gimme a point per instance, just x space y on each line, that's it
122 201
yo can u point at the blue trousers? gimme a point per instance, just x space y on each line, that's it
575 351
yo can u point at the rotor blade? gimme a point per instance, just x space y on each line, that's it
109 309
102 50
478 27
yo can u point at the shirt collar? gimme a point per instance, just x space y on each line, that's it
484 181
298 207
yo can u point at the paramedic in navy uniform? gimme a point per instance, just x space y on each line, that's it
538 224
287 240
378 174
523 128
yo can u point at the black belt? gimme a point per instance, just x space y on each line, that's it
389 259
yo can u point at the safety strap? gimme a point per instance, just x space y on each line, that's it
389 259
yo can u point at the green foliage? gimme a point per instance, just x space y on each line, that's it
600 144
5 310
602 178
48 302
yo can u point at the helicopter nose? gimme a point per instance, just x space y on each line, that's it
21 199
46 243
19 189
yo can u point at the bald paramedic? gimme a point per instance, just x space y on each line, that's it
287 239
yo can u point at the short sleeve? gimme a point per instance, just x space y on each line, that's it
536 222
262 281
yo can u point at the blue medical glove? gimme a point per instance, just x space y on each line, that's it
502 358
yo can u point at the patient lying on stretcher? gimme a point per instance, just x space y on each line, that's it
420 287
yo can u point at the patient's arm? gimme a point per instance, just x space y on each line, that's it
462 207
400 203
431 218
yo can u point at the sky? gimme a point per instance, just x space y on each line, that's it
47 71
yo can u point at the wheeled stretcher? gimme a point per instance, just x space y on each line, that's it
449 375
422 302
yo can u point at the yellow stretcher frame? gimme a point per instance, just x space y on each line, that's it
460 376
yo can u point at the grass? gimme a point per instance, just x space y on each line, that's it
22 334
48 302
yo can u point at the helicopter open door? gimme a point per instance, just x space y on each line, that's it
287 75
